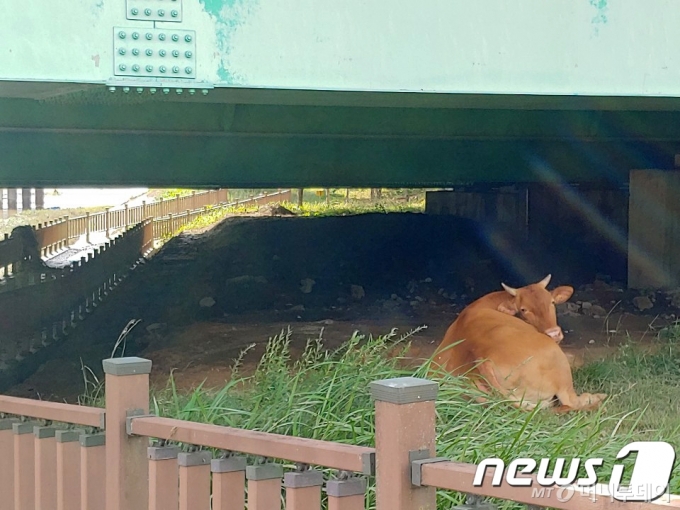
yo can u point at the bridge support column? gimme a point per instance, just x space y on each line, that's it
654 229
12 199
39 198
26 199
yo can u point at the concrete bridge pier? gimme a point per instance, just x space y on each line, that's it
654 229
12 199
39 198
26 199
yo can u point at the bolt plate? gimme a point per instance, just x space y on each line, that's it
154 52
154 10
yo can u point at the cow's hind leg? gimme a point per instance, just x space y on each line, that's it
570 401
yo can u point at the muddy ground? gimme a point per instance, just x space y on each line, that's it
207 295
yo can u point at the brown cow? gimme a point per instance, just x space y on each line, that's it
518 356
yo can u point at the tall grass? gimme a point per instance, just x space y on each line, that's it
324 395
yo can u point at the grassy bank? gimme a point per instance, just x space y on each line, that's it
324 395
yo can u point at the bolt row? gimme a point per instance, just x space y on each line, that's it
149 36
148 12
153 90
135 68
161 53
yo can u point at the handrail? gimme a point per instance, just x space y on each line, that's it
54 411
316 452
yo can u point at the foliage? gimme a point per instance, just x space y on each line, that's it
324 395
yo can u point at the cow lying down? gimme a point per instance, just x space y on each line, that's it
509 340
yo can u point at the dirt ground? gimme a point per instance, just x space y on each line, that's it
207 295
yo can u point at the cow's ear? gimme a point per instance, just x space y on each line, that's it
508 306
561 294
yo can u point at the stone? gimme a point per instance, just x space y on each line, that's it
306 285
643 303
298 308
357 292
591 341
586 305
206 302
571 307
598 312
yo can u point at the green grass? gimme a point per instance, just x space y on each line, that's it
324 395
315 206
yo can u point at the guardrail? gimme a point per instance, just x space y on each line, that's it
56 235
39 309
200 466
168 215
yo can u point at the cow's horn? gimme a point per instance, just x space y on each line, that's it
510 290
545 281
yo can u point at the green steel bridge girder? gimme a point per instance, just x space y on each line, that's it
100 139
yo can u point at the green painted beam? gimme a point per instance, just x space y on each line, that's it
96 158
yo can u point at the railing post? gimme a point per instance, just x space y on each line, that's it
87 227
127 216
127 468
107 222
404 431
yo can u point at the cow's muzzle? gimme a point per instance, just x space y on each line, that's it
555 333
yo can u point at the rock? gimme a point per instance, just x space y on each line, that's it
675 300
276 210
591 341
440 291
418 298
586 305
597 311
357 292
246 279
342 300
427 280
297 308
206 302
571 307
414 303
394 297
154 327
643 303
306 285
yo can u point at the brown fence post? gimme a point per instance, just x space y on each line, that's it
68 469
264 486
194 480
346 494
24 466
45 468
229 483
303 490
404 431
127 469
163 476
7 463
92 471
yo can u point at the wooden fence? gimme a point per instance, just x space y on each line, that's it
113 464
168 215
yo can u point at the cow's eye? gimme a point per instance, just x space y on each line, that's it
524 310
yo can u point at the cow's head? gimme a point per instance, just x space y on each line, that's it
536 305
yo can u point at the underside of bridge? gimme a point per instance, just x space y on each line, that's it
60 135
575 104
